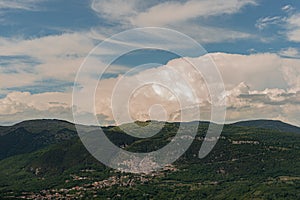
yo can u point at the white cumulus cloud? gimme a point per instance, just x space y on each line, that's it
263 86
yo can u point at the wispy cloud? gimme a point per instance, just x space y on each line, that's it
142 13
290 52
19 4
115 10
172 14
289 25
210 34
264 22
51 57
288 8
293 27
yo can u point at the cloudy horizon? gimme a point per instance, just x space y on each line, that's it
44 43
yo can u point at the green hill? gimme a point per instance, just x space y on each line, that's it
270 124
246 163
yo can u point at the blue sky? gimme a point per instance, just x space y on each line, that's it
43 43
57 17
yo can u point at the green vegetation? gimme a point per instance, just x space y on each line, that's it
246 163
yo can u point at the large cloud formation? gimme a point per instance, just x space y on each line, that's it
257 86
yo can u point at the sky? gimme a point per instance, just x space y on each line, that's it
253 43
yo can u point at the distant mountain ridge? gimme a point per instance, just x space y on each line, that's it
269 124
28 123
36 125
32 135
